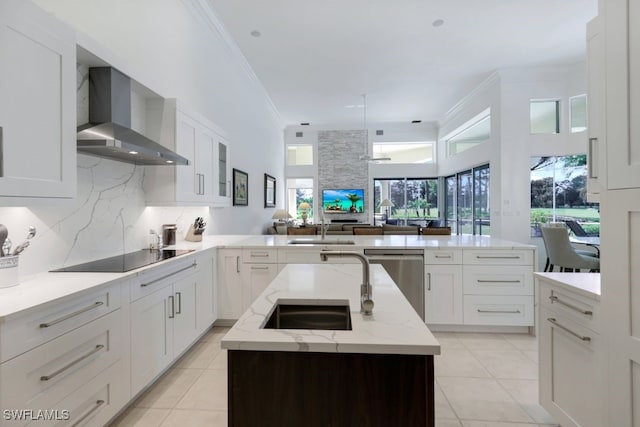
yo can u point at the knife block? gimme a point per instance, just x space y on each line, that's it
191 236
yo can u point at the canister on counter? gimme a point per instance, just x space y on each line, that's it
169 234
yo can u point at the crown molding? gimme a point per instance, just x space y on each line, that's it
203 11
493 78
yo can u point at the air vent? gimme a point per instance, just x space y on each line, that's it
304 124
416 121
299 134
379 132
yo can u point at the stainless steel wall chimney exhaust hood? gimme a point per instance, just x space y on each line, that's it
108 133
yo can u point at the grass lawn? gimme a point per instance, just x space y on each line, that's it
581 214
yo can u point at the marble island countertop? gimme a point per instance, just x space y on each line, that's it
393 328
587 284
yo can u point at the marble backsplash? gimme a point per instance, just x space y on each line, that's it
108 217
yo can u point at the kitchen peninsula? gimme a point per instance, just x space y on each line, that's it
331 377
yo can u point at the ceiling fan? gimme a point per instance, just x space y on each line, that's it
366 156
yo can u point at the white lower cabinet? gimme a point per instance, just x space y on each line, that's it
443 294
163 324
256 278
571 358
229 283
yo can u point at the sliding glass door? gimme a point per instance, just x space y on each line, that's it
467 201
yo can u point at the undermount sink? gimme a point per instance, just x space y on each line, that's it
320 242
315 314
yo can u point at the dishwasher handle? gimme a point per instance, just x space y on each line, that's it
376 258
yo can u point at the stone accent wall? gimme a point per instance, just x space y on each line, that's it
339 166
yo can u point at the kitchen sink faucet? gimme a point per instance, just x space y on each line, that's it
366 291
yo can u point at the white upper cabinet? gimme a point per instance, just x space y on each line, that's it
622 93
37 104
204 181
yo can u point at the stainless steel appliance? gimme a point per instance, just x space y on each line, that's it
406 268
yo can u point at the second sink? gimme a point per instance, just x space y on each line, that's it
327 315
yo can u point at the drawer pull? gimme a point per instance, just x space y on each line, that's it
259 255
554 298
444 256
498 281
500 311
555 322
143 285
78 360
98 404
253 267
173 307
70 315
497 257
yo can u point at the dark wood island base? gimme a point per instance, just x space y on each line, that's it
294 389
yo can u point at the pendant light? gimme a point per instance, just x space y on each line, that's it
366 155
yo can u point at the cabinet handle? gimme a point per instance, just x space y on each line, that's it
173 307
497 281
197 183
428 281
143 285
443 256
237 264
253 267
259 255
499 311
203 181
555 322
497 257
70 315
179 298
71 364
554 298
590 169
98 404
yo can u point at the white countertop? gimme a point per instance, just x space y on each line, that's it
586 284
45 287
386 241
393 328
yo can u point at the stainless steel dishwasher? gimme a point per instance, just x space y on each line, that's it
406 268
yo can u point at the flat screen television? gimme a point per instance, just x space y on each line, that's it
343 201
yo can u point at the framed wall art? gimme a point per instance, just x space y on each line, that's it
240 188
269 191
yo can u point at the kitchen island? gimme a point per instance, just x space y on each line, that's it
378 373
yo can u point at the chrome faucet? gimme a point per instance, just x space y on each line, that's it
323 228
159 244
366 291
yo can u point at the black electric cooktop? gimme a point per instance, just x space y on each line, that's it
125 262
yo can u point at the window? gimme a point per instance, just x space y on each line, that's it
405 152
299 190
578 105
559 193
545 116
413 200
467 201
472 133
299 155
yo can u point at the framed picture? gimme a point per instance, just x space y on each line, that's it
240 188
269 191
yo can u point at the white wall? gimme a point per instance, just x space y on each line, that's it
511 145
178 50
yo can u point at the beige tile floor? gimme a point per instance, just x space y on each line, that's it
482 380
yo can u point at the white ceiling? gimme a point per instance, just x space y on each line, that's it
316 57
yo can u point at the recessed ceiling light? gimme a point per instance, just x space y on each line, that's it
133 152
256 33
169 161
438 22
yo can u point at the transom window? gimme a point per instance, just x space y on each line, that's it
405 152
299 155
474 132
544 116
